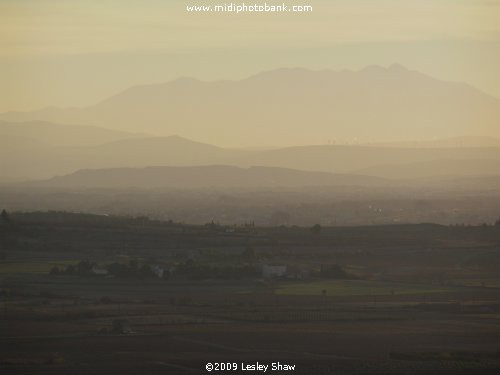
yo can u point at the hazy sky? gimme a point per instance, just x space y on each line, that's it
60 52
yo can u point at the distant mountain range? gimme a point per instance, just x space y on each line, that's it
252 178
31 159
203 177
369 108
293 107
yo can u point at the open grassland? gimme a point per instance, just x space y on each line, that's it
41 267
479 282
357 288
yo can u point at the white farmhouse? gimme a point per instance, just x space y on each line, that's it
270 271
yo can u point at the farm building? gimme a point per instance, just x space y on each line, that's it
270 271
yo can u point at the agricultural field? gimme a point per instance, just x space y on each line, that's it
358 288
41 267
346 305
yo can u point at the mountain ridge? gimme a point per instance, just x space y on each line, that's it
61 134
41 161
294 106
207 176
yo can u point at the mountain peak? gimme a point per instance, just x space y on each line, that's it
398 68
296 106
394 68
373 68
281 72
185 80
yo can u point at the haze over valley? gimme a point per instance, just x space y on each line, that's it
113 158
423 140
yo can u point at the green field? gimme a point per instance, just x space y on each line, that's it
356 288
311 316
32 267
478 282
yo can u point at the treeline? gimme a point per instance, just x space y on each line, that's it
196 271
189 269
133 270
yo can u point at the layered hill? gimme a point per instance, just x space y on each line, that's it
294 107
28 159
47 133
204 177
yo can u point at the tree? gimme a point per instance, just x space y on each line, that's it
70 270
55 271
146 272
121 326
5 217
84 267
333 271
316 229
134 266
